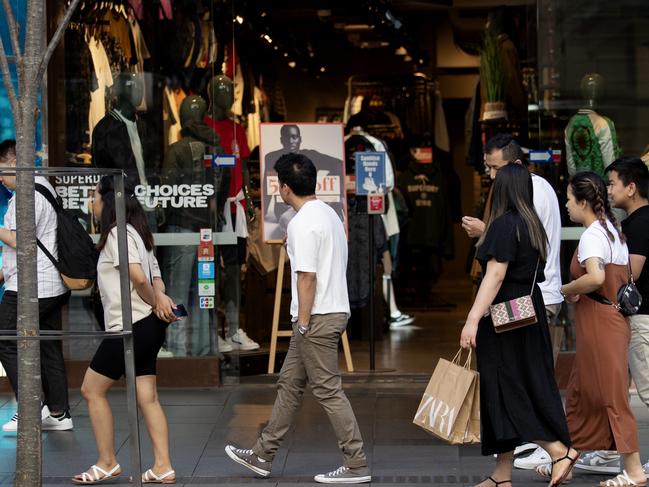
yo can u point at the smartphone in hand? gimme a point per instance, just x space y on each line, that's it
180 311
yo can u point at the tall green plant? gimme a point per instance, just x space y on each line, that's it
491 69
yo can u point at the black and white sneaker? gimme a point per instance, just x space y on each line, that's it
401 320
345 475
249 460
59 423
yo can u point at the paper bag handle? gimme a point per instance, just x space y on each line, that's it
458 358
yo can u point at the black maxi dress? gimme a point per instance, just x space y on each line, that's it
519 397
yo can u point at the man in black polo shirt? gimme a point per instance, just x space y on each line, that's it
628 190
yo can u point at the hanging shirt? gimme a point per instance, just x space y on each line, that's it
104 80
430 226
233 141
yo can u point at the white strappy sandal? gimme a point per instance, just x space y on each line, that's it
150 477
97 476
622 480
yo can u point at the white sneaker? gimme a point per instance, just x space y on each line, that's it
524 448
12 425
401 320
536 458
241 341
164 353
224 346
600 461
64 423
645 467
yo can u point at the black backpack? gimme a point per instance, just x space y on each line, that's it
78 255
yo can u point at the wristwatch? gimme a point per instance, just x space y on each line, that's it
302 329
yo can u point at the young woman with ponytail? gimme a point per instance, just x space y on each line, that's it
597 402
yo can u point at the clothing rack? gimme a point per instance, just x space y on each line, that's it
410 97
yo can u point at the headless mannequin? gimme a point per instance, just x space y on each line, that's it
220 91
591 140
115 140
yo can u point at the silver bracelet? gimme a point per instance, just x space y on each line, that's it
302 329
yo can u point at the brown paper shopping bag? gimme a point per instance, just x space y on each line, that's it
450 407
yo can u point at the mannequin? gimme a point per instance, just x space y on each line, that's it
115 140
220 91
591 140
183 164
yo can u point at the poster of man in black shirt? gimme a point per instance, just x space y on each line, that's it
326 152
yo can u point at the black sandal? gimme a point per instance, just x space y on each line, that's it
563 477
496 484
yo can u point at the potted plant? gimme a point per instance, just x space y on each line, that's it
492 79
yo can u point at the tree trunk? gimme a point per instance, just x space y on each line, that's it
28 452
31 65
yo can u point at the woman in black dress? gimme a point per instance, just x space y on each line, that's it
519 397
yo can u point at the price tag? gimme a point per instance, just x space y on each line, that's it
375 204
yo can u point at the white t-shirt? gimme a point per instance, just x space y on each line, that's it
595 243
317 243
50 283
547 207
109 283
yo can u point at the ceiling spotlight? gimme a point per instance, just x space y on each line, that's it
292 64
276 48
267 38
263 14
323 69
239 19
408 58
401 51
286 54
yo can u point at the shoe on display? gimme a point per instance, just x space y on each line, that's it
536 458
524 448
224 346
12 424
164 353
62 423
345 475
249 460
401 320
241 341
600 461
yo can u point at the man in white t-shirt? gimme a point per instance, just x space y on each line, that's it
500 150
317 249
52 296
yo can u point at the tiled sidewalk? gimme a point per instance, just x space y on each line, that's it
202 422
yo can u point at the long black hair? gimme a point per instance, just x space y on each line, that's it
590 187
134 213
513 192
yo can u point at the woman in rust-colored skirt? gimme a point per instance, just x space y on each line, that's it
597 403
